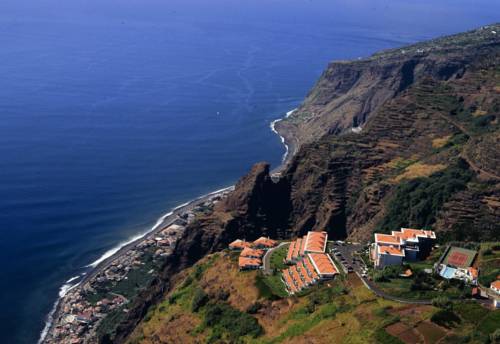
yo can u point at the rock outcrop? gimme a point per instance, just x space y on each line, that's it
348 93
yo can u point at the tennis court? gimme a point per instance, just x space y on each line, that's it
459 257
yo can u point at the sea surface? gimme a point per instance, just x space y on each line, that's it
114 111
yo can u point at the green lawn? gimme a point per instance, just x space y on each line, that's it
277 258
489 263
402 287
270 286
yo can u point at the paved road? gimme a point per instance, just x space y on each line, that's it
266 261
347 252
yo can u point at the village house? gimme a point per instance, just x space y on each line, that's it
239 244
252 253
264 243
247 263
495 287
407 244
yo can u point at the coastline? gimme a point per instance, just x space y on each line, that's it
107 258
290 146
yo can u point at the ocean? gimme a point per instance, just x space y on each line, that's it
114 112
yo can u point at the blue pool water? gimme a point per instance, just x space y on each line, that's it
114 111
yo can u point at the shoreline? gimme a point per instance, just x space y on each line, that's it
290 147
107 258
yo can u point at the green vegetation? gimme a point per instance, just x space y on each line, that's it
200 299
270 286
224 319
277 258
489 263
381 336
419 286
416 202
106 331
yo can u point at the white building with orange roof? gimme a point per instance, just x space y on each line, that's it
239 244
408 244
252 253
323 264
247 263
264 243
495 287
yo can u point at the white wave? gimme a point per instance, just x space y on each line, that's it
66 287
72 279
273 128
50 317
158 223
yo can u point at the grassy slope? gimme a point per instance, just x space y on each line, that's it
338 310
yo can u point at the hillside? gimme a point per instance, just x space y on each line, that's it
215 303
427 156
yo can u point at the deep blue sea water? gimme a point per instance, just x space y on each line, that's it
114 111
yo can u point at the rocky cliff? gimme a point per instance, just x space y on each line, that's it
427 156
349 92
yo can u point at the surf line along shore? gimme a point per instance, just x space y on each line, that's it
59 314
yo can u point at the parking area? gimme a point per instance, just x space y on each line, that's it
346 254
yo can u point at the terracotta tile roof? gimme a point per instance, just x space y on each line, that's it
288 281
244 262
409 233
289 254
296 250
250 252
310 268
473 272
316 242
296 277
239 244
387 239
303 272
266 242
323 264
391 250
496 284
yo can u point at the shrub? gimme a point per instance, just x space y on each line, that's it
254 308
417 202
446 318
442 302
200 298
236 323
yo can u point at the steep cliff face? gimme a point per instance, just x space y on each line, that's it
427 157
349 92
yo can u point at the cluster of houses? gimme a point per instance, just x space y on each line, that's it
78 317
252 252
309 262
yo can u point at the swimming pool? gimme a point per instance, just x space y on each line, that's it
447 272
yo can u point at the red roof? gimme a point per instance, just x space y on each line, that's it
250 252
239 244
390 250
316 242
266 242
245 262
387 239
323 264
